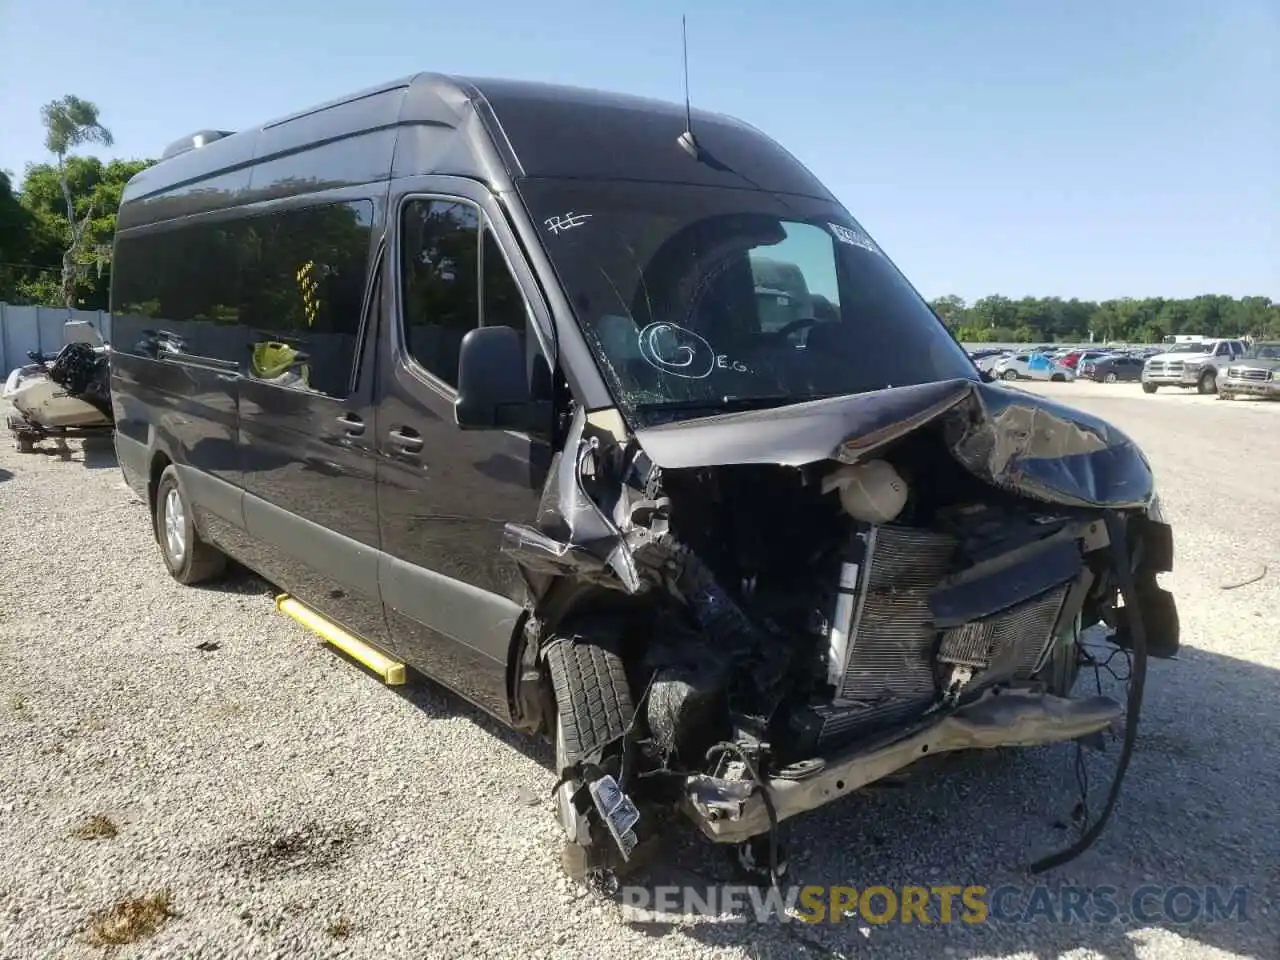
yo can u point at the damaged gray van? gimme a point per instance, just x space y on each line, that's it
611 418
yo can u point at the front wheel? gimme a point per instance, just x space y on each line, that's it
594 709
1149 388
189 559
1208 383
1058 378
1110 378
1009 375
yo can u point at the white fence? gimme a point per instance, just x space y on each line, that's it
39 328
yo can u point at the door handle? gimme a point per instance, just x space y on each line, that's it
352 424
407 439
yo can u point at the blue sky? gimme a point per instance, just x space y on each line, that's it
1089 148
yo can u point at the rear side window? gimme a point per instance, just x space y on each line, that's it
277 296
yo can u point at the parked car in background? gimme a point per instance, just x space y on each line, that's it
1194 363
987 362
1074 359
1112 368
1032 366
1257 374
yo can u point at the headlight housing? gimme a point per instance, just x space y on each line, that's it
1275 374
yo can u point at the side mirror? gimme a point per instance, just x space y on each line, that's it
493 384
987 376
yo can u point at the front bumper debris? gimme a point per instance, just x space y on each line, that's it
730 811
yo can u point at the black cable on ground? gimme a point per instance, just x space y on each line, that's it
1118 535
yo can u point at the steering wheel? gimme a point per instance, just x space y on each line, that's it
795 326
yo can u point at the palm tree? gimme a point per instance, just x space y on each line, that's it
70 122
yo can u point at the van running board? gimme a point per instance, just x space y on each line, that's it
391 671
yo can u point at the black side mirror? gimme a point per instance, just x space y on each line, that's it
493 384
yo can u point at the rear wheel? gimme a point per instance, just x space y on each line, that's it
25 444
593 711
1111 378
1058 378
1009 375
190 559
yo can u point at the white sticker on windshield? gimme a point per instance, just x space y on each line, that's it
854 236
677 351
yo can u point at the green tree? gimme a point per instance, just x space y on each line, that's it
951 310
16 224
70 122
96 190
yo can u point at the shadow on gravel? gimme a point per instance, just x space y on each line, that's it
99 453
5 475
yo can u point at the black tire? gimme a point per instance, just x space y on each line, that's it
594 708
1009 375
198 561
1057 378
25 444
1149 388
1208 382
1111 377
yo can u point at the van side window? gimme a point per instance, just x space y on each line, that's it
440 281
302 287
255 292
184 280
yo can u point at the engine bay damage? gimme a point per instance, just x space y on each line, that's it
820 595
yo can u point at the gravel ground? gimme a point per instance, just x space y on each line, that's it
159 738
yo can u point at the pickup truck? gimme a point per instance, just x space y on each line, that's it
1196 364
1257 374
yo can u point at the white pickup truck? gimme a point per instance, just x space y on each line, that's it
1194 364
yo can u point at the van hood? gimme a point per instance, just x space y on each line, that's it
1012 439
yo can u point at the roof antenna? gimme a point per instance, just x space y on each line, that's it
688 143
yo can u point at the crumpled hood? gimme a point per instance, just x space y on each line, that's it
1021 442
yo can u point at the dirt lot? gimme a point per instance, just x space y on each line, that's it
197 762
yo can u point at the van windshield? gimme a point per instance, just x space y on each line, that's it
702 298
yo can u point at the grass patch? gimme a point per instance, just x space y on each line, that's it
97 827
130 920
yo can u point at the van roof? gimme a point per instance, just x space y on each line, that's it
486 129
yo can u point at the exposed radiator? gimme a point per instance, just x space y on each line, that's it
889 651
895 656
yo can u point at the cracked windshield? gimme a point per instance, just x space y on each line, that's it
694 298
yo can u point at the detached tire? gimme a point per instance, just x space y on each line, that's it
190 560
593 709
